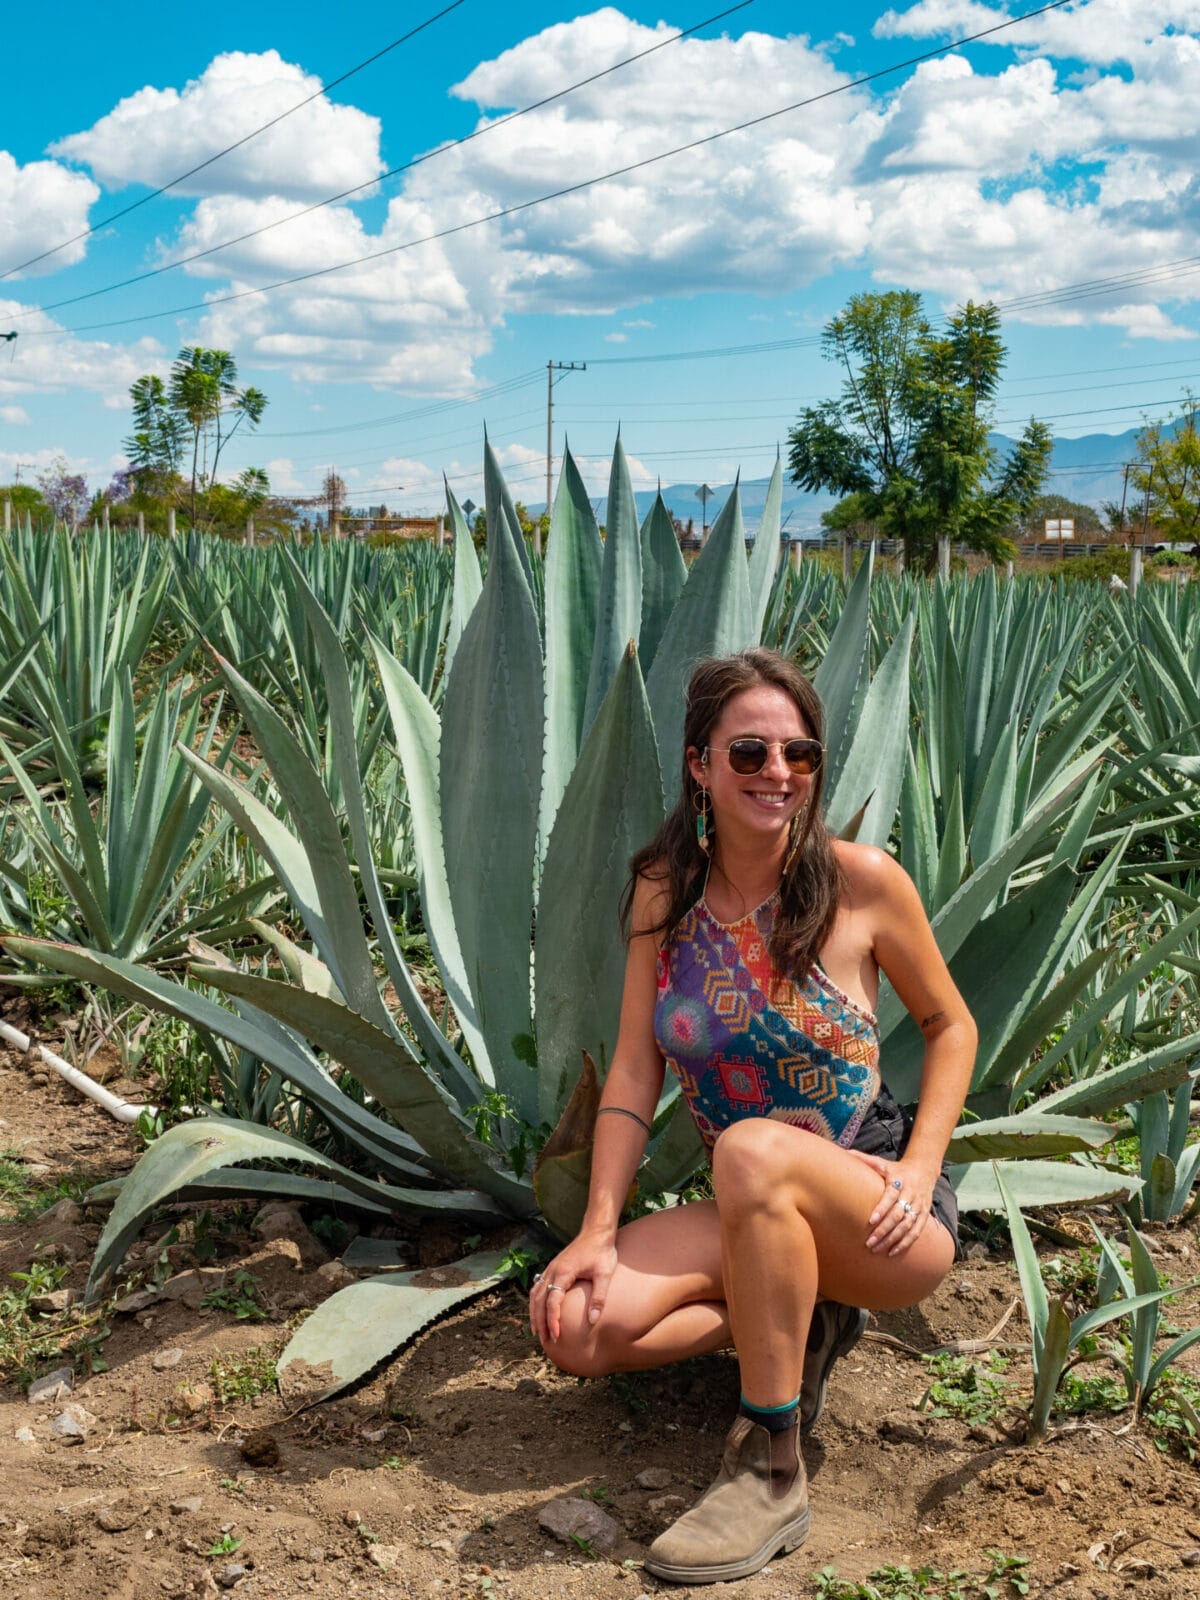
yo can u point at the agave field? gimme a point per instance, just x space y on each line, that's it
355 824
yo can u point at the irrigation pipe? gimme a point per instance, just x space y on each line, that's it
123 1110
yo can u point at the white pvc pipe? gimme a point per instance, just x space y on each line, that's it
123 1110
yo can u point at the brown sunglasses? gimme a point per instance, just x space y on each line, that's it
748 756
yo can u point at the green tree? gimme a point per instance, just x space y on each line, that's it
908 436
196 411
1089 524
1168 470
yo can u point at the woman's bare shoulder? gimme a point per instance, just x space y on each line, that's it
651 901
870 873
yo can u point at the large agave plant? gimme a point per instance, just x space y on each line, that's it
550 762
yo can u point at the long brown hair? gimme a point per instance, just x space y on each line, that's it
812 881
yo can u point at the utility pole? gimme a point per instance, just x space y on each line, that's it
551 368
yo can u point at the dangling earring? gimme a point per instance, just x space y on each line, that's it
704 830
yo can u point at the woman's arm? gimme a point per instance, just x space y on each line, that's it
906 951
633 1084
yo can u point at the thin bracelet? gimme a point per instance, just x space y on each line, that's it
622 1112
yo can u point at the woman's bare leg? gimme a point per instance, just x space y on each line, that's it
790 1221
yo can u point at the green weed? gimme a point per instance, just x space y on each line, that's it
1173 1415
975 1391
1004 1579
245 1376
240 1296
224 1546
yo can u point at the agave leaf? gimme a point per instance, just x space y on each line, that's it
417 734
366 1322
874 765
573 566
1038 1183
918 826
562 1172
1135 1079
1036 1022
676 1154
1037 1306
764 558
962 911
502 516
256 1033
842 678
468 580
1125 983
442 1058
1029 1133
329 901
664 573
188 1152
619 615
301 967
612 805
385 1067
491 768
952 856
712 617
233 1183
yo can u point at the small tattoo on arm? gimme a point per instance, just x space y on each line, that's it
934 1016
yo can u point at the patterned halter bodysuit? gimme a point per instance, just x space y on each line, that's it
744 1042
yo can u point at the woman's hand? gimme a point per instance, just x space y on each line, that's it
592 1257
904 1208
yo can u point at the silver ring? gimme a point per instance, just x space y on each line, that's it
906 1208
538 1276
551 1288
897 1183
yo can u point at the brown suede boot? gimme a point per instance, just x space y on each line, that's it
835 1330
757 1506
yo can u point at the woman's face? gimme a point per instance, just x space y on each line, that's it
763 804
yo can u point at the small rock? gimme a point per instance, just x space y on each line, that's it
51 1387
385 1555
442 1544
196 1399
137 1301
1190 1558
653 1478
279 1221
978 1251
64 1211
375 1435
25 1436
39 1079
530 1386
229 1577
316 1554
167 1358
336 1274
117 1518
901 1432
351 1517
51 1303
983 1434
569 1518
192 1503
191 1286
964 1289
666 1505
260 1448
73 1423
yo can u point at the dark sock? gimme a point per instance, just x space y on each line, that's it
775 1419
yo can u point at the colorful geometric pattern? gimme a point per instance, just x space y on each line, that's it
745 1042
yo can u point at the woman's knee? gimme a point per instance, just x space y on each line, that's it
580 1349
757 1161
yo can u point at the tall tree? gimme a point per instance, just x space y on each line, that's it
1167 476
908 437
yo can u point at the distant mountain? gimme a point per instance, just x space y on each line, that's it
1090 469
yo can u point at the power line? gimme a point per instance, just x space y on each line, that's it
392 172
237 144
568 189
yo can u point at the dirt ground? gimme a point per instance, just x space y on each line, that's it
429 1477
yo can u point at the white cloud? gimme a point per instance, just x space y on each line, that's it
1099 32
41 205
50 361
1144 322
16 416
616 338
152 136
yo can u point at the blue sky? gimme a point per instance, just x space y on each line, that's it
1061 152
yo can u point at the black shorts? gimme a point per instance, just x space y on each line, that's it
885 1132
